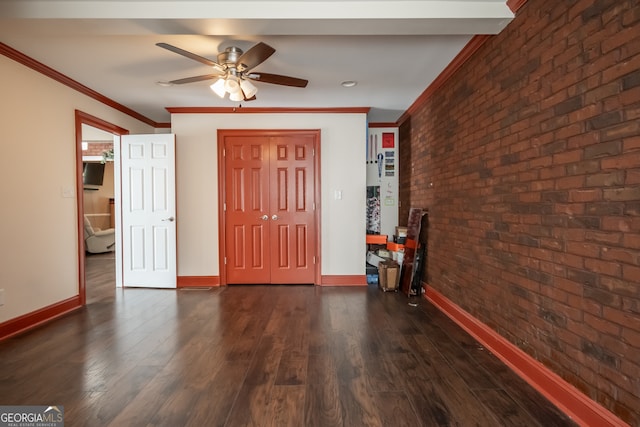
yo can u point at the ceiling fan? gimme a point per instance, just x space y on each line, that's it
233 71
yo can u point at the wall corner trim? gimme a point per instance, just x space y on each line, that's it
567 398
39 317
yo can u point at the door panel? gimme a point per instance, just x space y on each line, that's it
270 189
148 210
247 185
293 171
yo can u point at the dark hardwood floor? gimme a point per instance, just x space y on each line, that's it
262 356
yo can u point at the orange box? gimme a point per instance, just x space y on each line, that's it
376 239
395 247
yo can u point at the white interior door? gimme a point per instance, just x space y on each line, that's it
148 209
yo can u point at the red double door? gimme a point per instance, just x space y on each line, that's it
269 206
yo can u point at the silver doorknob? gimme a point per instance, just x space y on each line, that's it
170 219
264 217
274 217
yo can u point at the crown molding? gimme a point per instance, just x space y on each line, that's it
250 110
27 61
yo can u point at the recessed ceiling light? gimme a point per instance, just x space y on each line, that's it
164 84
349 83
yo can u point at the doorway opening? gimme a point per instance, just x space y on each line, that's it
99 214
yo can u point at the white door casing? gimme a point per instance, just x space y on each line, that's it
148 209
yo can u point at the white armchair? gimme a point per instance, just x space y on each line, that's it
98 241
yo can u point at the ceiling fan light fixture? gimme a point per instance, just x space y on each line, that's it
248 88
236 96
218 88
231 84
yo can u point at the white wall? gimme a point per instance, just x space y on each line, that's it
343 139
38 231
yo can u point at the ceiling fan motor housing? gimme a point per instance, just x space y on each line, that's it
230 55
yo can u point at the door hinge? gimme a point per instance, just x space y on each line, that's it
224 152
314 259
313 152
313 206
225 260
224 206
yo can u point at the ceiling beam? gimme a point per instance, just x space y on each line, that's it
355 17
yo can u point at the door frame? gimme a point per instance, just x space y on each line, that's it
222 243
87 119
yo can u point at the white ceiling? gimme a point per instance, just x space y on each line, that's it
393 49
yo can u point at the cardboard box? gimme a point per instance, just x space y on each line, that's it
384 253
374 259
398 256
388 275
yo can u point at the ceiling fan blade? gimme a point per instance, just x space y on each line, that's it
277 79
190 55
255 56
196 79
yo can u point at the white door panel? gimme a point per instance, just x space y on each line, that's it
148 211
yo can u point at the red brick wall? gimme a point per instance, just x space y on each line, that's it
97 148
528 159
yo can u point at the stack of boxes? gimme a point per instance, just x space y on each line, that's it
384 259
375 244
396 248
